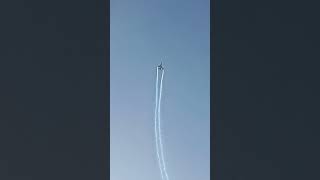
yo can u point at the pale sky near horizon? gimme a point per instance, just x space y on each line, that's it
141 32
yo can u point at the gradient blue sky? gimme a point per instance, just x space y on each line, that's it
143 31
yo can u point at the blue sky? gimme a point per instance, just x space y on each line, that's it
141 32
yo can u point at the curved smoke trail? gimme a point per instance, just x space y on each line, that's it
159 128
155 125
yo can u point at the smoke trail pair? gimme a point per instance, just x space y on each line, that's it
155 126
158 136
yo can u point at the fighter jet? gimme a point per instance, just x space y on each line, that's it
160 67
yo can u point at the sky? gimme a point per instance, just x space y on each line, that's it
141 32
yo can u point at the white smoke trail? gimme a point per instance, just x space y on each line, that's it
159 128
155 126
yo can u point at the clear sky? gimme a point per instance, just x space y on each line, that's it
143 31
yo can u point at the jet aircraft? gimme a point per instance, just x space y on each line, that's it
160 67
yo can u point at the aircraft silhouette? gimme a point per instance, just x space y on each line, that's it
160 67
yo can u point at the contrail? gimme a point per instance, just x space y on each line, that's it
159 127
155 126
